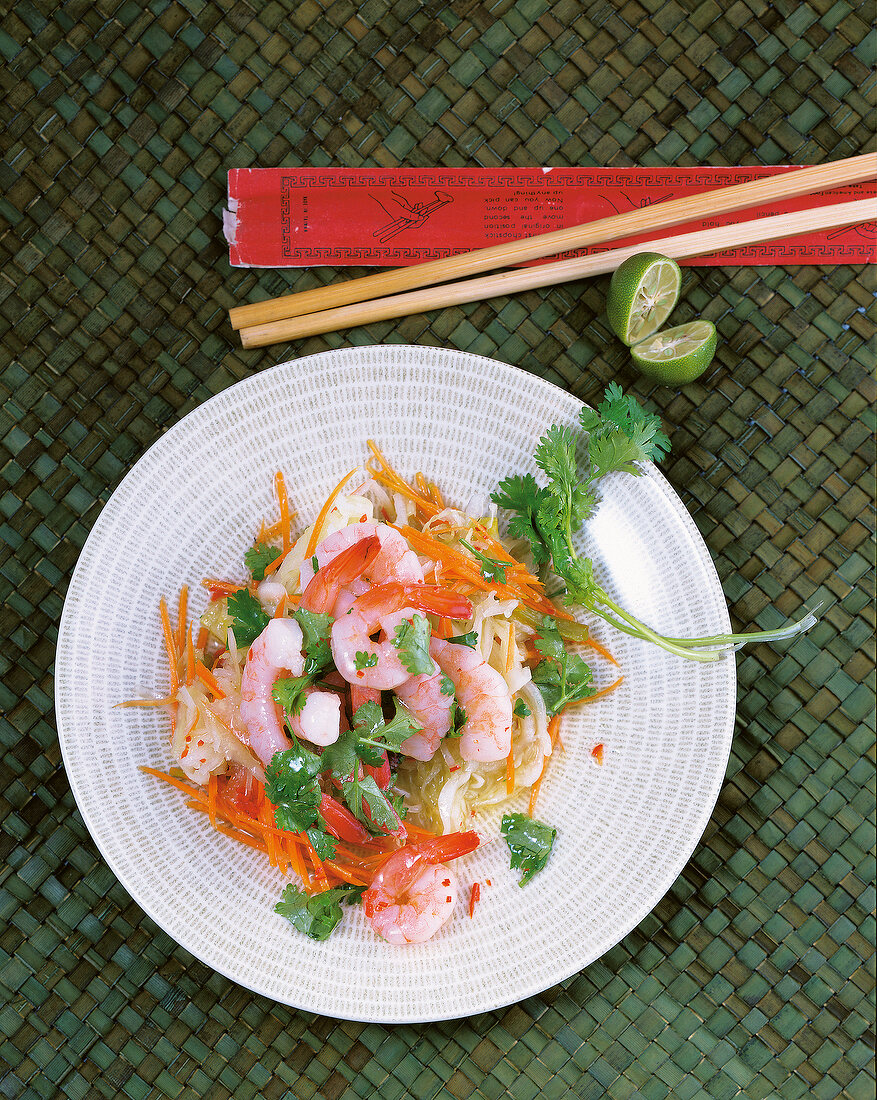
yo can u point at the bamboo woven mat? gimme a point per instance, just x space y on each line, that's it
754 976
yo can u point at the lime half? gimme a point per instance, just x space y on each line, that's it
642 292
677 355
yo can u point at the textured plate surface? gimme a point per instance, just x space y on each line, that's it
190 507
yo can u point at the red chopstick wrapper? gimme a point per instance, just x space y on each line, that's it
377 217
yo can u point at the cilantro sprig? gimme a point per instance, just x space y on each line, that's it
259 557
317 915
530 843
562 677
613 438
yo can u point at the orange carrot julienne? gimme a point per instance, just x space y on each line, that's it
604 691
510 771
425 501
272 565
170 645
190 658
553 732
208 679
181 617
202 639
212 792
324 511
283 501
280 609
601 649
166 702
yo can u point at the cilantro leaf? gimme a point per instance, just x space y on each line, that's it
521 709
289 693
621 432
248 618
375 736
491 569
521 496
529 842
563 678
470 639
363 789
446 684
324 844
316 916
291 785
315 628
412 641
365 660
259 557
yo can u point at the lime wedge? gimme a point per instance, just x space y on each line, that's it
677 355
642 292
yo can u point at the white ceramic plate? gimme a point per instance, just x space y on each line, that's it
190 507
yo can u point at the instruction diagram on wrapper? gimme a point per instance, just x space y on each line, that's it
404 214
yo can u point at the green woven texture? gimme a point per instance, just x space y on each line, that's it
753 977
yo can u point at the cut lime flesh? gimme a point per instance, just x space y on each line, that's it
642 293
678 354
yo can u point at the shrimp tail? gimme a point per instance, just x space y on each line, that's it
451 846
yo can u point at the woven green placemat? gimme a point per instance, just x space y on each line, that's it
754 976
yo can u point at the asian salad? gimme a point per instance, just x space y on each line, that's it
396 667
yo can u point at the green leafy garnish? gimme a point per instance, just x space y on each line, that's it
315 628
317 915
491 569
615 437
248 620
363 789
562 678
259 557
529 842
289 693
470 639
365 660
374 736
521 709
412 640
291 785
324 844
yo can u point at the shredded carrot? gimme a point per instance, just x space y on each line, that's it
510 771
324 511
345 874
474 897
170 646
427 501
601 649
181 617
218 588
212 792
283 501
317 863
272 565
190 658
604 691
208 679
597 753
280 609
202 639
166 702
553 733
180 784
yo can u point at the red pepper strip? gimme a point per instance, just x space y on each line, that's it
474 895
341 823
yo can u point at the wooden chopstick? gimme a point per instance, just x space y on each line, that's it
785 185
682 246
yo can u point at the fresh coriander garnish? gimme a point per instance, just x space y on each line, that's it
529 842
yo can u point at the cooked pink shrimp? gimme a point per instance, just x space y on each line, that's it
413 894
484 696
396 561
382 609
431 703
278 650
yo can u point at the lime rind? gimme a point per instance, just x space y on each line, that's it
642 293
677 355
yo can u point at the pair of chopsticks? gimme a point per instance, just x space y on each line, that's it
392 293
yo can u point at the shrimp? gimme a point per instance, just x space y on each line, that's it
278 650
430 699
396 561
413 894
483 694
377 664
